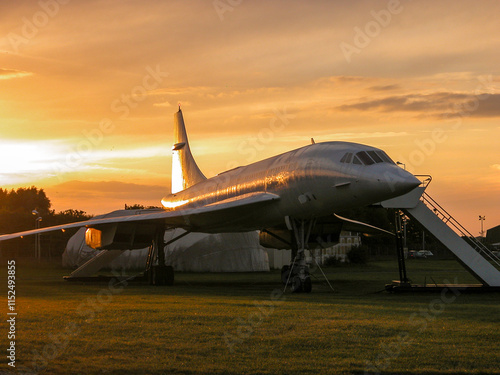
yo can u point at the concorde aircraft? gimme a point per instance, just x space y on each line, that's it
290 198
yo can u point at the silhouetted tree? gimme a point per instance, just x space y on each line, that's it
25 200
138 206
16 215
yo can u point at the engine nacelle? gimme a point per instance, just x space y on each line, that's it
120 236
272 242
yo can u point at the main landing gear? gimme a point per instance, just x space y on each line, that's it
297 274
157 271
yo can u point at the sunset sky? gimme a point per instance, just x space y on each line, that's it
88 90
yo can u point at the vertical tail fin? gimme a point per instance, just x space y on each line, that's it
185 171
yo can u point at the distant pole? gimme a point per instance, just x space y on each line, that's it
38 219
482 219
35 213
38 251
39 246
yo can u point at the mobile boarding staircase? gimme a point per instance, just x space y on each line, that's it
471 253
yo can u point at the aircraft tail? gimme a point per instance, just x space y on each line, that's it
185 171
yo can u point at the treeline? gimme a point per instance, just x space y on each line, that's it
19 211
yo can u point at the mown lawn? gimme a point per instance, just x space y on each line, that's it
242 324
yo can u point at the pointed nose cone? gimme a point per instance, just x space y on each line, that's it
381 182
405 182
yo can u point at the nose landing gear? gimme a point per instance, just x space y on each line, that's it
297 275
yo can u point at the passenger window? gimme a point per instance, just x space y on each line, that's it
375 157
365 158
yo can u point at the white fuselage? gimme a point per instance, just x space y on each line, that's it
312 181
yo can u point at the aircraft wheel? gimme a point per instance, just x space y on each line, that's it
307 285
169 275
285 271
159 275
297 286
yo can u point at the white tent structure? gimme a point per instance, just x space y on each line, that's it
195 252
223 252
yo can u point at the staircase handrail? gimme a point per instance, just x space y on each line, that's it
425 179
447 218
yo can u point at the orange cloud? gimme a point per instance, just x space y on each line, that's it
13 73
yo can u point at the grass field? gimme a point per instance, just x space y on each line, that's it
242 324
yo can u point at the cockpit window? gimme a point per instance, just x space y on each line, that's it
346 158
375 156
365 158
385 157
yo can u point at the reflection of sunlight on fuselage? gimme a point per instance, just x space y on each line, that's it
173 204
